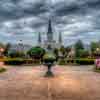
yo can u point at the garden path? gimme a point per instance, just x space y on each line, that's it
69 83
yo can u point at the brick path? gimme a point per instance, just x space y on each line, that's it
69 83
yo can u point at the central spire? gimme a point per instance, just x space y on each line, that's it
50 32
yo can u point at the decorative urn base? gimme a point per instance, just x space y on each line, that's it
49 73
48 61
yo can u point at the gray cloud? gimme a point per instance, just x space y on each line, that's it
11 10
76 19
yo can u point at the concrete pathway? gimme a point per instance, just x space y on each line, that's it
69 83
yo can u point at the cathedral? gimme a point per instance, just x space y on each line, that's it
50 42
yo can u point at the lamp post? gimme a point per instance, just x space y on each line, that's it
1 52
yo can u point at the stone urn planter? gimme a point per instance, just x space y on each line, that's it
49 60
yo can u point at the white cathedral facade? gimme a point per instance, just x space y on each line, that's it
50 42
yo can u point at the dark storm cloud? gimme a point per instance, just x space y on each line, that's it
93 3
37 24
64 9
10 9
35 9
71 17
14 9
80 7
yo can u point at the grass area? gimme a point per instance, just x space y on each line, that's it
97 70
2 69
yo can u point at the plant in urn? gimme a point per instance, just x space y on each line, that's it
49 60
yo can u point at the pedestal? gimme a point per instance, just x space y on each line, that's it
49 73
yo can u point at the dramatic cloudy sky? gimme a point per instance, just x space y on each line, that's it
23 19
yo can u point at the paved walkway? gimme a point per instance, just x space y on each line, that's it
69 83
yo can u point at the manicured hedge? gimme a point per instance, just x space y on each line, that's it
62 62
70 60
19 61
28 61
16 61
79 61
84 61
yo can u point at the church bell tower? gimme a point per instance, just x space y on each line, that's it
49 32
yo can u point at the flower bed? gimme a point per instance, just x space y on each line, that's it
97 64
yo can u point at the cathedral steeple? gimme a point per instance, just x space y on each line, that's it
49 32
60 38
39 38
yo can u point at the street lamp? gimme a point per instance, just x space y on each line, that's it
1 51
97 49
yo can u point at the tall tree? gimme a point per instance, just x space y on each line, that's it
78 47
94 46
62 50
2 45
7 47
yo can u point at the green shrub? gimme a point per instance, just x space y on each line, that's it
36 52
21 61
84 61
16 61
70 60
28 61
62 62
32 61
16 54
81 61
